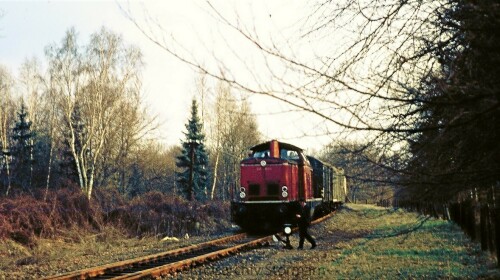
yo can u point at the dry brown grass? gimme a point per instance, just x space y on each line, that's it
67 231
77 250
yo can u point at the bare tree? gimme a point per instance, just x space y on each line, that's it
32 88
158 168
92 87
353 84
68 77
218 118
37 88
39 101
360 60
7 115
130 128
233 129
361 66
367 179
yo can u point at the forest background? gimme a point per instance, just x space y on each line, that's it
416 81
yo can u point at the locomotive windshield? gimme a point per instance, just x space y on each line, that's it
261 154
284 154
289 154
279 150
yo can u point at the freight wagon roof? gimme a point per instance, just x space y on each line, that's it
338 170
282 145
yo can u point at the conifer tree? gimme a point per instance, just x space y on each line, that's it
22 151
193 161
136 182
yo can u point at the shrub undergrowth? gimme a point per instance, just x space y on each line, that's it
25 218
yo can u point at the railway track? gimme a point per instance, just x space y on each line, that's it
170 261
154 266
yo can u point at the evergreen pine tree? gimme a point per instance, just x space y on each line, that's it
193 160
22 151
136 185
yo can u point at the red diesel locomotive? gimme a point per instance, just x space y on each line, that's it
273 179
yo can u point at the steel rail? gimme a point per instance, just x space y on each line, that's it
104 269
158 269
321 219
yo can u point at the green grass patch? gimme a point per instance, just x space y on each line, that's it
398 244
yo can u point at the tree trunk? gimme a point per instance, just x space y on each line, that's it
215 175
51 151
7 167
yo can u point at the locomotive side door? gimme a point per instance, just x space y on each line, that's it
304 177
301 184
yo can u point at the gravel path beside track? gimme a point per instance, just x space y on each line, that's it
357 244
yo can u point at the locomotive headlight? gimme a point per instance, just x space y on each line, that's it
263 163
242 195
287 230
284 191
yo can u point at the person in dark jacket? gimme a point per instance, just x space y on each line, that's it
303 217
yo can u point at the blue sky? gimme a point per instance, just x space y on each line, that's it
27 27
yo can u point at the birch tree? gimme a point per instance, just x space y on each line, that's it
31 85
91 85
217 128
7 115
67 80
114 98
233 129
40 105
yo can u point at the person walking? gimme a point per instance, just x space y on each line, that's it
303 217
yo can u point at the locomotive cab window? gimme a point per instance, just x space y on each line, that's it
261 154
289 154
